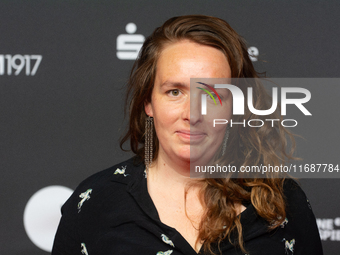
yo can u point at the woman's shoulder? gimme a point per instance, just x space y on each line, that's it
298 208
105 185
116 173
300 220
295 197
99 202
297 202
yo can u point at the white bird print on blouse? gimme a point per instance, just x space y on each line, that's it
121 171
85 196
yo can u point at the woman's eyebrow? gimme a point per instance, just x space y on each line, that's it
174 84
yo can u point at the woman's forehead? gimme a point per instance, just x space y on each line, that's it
186 59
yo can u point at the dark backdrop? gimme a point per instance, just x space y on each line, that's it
62 89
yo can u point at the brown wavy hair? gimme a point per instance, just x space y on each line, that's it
247 146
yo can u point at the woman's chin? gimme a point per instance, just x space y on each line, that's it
197 157
184 158
193 156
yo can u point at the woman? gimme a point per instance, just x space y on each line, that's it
148 204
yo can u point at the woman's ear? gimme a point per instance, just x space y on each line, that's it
148 109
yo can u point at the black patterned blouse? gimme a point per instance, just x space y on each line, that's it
111 212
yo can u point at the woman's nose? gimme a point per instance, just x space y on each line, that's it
193 109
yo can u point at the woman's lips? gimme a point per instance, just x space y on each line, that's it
192 136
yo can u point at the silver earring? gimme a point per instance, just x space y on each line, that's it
225 140
148 147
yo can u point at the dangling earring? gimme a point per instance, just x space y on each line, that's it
225 140
148 147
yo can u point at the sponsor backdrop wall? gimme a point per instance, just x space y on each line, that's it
63 68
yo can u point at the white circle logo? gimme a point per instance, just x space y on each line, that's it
42 215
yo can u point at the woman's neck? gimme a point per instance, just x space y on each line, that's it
164 174
174 173
176 198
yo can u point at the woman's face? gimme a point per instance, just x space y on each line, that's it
185 134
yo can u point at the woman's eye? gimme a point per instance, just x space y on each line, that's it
174 92
214 96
